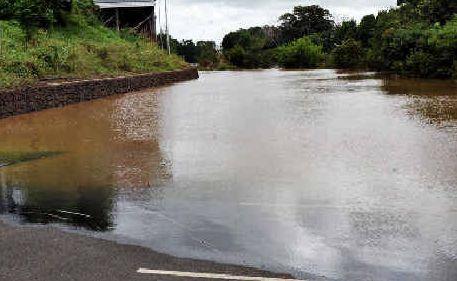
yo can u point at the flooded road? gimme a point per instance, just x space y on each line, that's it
317 173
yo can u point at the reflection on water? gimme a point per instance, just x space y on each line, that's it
108 148
433 100
349 176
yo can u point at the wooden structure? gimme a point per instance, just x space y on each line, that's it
138 15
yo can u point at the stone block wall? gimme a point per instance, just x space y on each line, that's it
35 98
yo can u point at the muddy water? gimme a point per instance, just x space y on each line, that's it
317 173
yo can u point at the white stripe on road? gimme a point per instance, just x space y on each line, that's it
210 275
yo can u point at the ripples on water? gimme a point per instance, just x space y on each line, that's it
349 176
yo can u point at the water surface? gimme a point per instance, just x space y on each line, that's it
318 173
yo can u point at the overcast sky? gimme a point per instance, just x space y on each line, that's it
212 19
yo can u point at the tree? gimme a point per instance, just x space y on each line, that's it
162 42
207 53
188 50
253 38
432 10
346 30
304 21
366 29
246 47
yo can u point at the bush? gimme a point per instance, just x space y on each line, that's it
236 56
302 53
419 50
347 55
420 63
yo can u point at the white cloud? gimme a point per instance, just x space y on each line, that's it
212 19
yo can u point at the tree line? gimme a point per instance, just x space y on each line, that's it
418 37
203 53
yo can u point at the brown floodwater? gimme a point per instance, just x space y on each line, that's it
323 174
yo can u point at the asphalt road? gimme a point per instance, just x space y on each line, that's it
49 254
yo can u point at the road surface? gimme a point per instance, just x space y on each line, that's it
46 253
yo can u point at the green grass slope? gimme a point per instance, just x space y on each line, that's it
76 51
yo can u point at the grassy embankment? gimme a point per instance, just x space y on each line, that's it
76 51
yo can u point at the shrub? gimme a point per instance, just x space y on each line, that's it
236 56
347 55
420 63
301 53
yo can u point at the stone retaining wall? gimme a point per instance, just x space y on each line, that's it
36 98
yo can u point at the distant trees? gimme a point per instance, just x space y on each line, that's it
188 50
249 48
260 47
205 53
207 56
419 38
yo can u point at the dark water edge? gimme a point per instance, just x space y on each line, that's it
13 158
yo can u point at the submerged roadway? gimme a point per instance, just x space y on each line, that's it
49 254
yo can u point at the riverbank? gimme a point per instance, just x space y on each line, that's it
46 253
80 50
48 95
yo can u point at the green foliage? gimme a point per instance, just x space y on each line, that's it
301 53
346 30
420 50
366 30
204 53
304 21
432 11
347 55
188 50
418 38
34 14
76 52
207 56
249 39
249 48
236 55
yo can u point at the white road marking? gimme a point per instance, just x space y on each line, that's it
210 275
73 213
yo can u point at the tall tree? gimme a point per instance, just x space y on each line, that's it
366 29
346 30
305 20
188 50
207 53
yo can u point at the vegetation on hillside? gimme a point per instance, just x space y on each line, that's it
56 39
